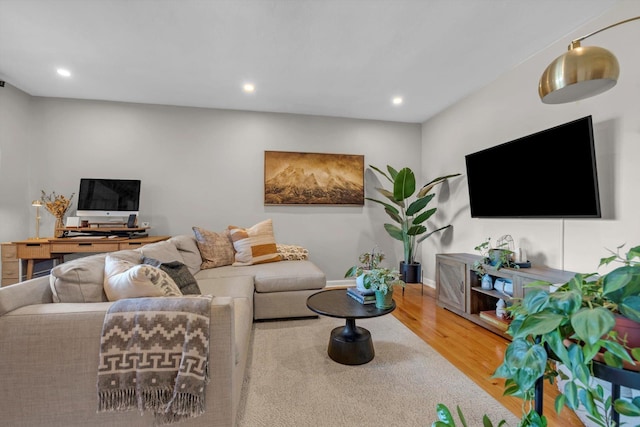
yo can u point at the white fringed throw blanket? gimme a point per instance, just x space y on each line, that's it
154 356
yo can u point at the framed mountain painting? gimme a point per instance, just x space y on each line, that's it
292 178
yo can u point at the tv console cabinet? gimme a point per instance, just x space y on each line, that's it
458 287
56 248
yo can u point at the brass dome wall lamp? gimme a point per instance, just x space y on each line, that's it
581 72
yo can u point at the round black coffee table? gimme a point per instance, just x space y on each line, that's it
349 344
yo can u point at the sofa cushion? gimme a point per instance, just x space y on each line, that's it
180 274
215 249
254 245
82 279
124 279
164 251
272 277
289 276
188 248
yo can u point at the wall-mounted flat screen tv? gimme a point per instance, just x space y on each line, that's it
549 174
108 197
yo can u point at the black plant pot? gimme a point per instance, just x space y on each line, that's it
411 273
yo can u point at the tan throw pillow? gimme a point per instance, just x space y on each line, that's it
216 249
254 245
123 279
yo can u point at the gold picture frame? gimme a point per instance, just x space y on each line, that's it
293 178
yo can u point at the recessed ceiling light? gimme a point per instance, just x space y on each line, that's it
397 100
248 88
64 73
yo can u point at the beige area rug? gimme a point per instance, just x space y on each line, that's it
292 382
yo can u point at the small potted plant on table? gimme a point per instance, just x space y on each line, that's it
380 280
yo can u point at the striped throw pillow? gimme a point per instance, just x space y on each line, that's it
254 245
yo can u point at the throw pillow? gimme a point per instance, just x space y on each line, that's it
124 279
292 252
254 245
215 249
180 274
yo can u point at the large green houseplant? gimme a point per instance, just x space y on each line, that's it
408 210
572 326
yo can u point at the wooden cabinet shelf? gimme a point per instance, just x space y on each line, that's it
458 286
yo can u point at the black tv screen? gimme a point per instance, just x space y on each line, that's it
108 197
549 174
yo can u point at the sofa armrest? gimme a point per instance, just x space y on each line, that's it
49 361
34 291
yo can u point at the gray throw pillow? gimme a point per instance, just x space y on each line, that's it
180 274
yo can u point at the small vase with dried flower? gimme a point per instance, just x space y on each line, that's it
57 205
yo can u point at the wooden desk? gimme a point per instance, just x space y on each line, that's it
56 248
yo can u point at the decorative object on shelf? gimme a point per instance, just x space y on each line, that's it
37 204
410 215
577 324
504 286
581 72
57 205
487 282
498 257
501 309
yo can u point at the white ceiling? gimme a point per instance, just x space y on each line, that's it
344 58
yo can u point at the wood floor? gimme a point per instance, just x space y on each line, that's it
472 349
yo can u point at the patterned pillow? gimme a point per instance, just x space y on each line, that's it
292 252
123 279
215 249
180 274
254 245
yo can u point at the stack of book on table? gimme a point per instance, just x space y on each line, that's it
363 297
490 316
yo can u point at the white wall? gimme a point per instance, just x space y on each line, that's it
204 167
15 166
510 108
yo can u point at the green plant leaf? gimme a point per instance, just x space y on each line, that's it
444 415
621 283
431 232
392 172
428 186
586 398
394 231
566 303
626 408
612 360
461 416
539 324
617 349
382 172
404 184
526 362
416 230
635 353
424 216
559 402
590 324
630 307
535 300
571 395
418 205
385 205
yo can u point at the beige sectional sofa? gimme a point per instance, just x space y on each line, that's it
49 350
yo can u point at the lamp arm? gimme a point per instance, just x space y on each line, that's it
576 42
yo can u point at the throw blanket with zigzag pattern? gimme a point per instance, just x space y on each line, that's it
154 356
